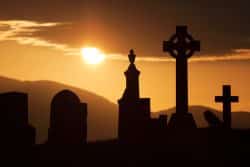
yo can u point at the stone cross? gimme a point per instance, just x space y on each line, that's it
181 46
226 99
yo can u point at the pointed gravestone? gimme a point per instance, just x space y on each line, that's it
181 46
226 99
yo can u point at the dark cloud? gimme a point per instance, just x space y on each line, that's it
222 26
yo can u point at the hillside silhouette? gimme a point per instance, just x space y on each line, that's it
240 119
102 115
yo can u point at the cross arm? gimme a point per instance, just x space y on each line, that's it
168 46
218 99
235 98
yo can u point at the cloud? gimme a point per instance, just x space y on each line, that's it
237 55
22 32
25 32
116 26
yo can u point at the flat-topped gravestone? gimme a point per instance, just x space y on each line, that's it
181 46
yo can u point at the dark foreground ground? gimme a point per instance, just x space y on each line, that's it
199 148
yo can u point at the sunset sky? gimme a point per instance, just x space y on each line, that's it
42 40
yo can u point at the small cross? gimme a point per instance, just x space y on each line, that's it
226 99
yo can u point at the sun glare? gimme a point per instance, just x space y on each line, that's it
92 55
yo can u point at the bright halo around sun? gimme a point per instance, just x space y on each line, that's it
92 55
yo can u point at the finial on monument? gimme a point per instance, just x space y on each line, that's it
131 56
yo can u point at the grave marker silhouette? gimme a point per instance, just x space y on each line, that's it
68 119
181 46
227 99
134 112
14 122
135 122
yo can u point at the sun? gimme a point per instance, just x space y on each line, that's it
92 55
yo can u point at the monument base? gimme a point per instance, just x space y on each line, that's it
182 121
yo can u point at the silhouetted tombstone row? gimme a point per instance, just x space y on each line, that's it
135 122
68 116
68 121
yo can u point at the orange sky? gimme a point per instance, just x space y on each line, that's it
157 79
42 42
